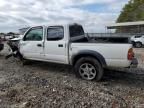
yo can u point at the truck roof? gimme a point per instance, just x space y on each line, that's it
57 24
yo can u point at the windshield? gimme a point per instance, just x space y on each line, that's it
138 36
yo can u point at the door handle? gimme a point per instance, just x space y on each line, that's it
60 45
39 45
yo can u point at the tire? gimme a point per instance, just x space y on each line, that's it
88 68
138 44
133 43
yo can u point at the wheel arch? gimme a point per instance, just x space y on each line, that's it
88 53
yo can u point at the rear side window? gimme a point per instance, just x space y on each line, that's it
76 30
55 33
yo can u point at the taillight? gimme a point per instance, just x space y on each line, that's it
130 55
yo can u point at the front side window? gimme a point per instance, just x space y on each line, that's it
55 33
35 34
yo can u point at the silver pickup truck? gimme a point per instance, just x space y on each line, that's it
67 44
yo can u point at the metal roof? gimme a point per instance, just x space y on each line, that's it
124 24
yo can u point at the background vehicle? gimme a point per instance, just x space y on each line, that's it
138 41
67 44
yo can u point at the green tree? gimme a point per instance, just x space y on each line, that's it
133 11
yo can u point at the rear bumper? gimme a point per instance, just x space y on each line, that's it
134 63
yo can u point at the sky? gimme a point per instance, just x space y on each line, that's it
94 15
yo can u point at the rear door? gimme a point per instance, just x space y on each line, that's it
33 43
55 49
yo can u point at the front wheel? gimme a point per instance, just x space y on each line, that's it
88 68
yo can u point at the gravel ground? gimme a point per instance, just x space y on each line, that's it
46 85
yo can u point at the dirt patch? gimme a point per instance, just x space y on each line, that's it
46 85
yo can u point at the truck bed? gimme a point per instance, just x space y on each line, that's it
115 54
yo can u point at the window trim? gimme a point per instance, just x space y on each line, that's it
54 27
138 36
34 28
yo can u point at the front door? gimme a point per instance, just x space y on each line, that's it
32 45
55 46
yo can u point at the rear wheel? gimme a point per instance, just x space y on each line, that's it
138 44
88 68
